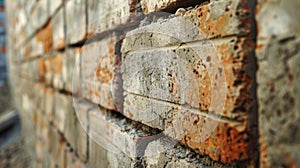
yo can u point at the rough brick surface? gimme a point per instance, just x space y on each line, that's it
160 153
40 14
100 157
54 5
73 161
62 107
70 70
218 18
118 134
57 147
76 23
205 83
49 106
100 78
58 36
57 70
107 14
76 129
278 52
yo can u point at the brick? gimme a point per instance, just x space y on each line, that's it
38 118
58 36
216 19
40 14
106 15
182 70
57 70
71 77
24 70
20 23
278 56
100 157
47 72
29 5
117 134
31 70
47 160
73 161
102 149
49 105
206 134
42 128
100 73
75 20
62 108
57 147
39 151
157 90
44 159
76 126
54 5
266 26
50 70
161 153
42 70
32 104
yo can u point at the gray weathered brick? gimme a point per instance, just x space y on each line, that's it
206 81
58 35
107 14
278 54
117 134
73 161
75 20
54 5
70 69
164 153
76 128
57 147
49 105
62 108
40 14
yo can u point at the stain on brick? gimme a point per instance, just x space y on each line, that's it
44 36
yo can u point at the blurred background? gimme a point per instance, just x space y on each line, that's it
13 152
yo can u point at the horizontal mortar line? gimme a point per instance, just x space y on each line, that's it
213 116
39 56
55 89
97 36
118 113
195 43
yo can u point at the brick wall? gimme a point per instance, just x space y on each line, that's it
156 83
